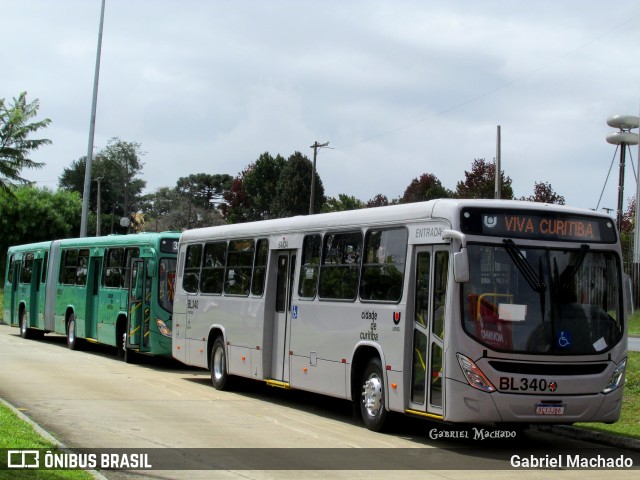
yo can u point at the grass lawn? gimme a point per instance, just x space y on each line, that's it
16 433
634 323
629 423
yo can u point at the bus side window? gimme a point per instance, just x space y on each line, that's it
68 267
383 267
308 283
212 278
27 268
130 254
113 271
260 267
239 267
192 264
83 265
9 275
45 264
340 268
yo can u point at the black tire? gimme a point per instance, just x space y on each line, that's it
72 341
218 365
372 396
25 332
125 354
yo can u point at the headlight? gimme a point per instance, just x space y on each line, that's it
164 330
474 375
616 377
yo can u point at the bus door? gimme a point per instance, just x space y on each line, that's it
35 298
431 269
282 315
138 317
93 289
15 275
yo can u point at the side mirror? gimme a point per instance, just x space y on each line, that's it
460 259
461 266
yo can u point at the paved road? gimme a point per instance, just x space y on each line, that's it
89 399
634 344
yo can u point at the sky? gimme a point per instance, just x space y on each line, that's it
397 87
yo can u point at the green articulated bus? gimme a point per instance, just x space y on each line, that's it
115 290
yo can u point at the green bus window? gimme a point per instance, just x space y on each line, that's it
308 283
260 267
167 283
192 265
113 270
27 268
383 267
130 254
69 266
212 277
10 269
239 267
83 265
340 268
45 264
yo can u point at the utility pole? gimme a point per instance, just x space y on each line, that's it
315 147
496 193
92 126
99 179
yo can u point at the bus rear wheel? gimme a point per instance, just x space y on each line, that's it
372 396
72 340
219 375
24 329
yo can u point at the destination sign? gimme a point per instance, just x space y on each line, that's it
169 245
537 226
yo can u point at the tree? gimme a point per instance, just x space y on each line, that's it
342 203
15 144
379 200
203 189
480 182
272 188
543 193
118 167
32 214
169 209
261 185
293 191
427 187
237 202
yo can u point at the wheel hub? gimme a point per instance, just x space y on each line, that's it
372 395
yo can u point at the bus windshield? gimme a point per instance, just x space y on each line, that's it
167 283
536 300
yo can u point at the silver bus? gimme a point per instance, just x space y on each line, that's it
476 311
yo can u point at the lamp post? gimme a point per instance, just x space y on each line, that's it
92 127
622 138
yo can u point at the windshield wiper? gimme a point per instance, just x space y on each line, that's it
528 272
572 268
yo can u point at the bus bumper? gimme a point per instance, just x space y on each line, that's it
467 404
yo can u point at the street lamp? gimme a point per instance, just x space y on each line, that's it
622 138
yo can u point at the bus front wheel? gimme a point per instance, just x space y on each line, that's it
219 376
372 407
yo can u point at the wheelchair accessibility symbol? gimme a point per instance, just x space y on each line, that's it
564 339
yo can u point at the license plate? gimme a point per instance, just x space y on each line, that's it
549 409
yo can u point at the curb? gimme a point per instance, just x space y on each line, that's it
46 435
